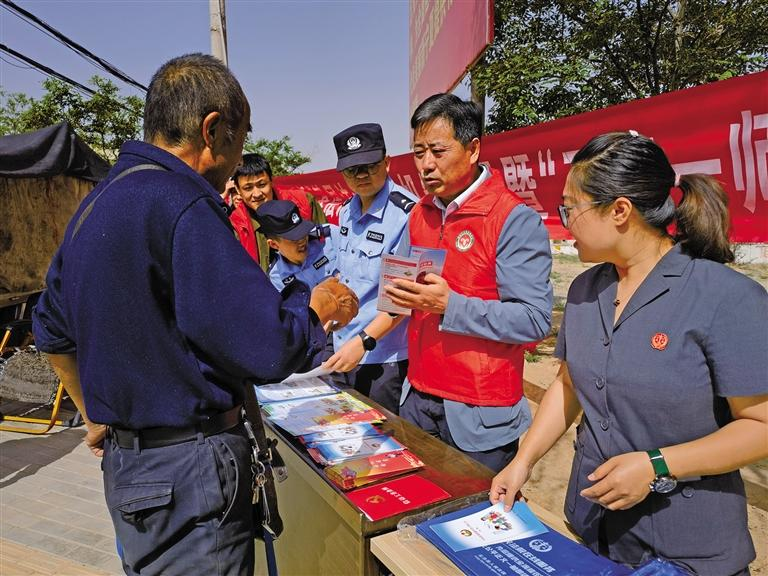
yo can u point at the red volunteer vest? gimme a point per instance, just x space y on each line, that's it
466 369
241 219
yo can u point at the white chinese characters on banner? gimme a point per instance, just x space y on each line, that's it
518 177
749 157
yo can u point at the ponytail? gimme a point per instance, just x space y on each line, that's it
702 219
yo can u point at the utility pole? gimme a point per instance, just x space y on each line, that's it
218 30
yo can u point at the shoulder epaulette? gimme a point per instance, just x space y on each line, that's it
402 201
347 201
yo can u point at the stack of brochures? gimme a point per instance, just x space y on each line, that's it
361 471
317 413
485 540
337 429
347 447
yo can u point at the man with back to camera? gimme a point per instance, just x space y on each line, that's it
139 325
371 224
468 329
253 179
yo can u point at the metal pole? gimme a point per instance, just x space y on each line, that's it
218 29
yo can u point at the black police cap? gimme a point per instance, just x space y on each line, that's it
281 218
359 144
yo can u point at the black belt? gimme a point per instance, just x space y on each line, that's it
159 437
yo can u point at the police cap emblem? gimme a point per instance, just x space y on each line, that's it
295 218
353 143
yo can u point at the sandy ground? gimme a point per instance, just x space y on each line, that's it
548 483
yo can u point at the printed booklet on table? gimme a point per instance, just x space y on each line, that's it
293 389
396 496
315 414
362 471
484 540
335 451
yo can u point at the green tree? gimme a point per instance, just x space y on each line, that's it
283 158
103 120
553 58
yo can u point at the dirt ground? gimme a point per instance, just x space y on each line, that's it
550 477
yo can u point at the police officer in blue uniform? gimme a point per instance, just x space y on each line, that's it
305 251
665 350
138 322
371 224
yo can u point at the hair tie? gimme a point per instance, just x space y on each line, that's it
677 180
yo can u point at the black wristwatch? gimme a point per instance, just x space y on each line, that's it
664 481
369 342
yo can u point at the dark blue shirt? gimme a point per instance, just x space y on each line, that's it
165 310
692 335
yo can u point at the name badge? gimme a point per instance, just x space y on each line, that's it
344 231
375 236
288 279
320 263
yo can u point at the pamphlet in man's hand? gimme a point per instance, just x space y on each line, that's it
415 267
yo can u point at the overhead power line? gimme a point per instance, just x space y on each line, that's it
46 69
71 44
51 72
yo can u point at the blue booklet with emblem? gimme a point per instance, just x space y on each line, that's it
484 540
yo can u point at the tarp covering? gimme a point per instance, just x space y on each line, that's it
52 151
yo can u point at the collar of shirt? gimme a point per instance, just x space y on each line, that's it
457 202
164 158
377 207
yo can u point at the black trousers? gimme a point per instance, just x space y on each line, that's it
183 509
428 413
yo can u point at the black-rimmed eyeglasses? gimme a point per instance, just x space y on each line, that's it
363 169
563 210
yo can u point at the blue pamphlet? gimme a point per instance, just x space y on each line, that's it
484 540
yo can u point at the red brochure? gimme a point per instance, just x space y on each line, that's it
361 471
400 495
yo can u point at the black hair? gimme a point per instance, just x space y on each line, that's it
252 165
466 118
184 91
626 164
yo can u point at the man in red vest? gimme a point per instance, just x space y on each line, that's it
469 327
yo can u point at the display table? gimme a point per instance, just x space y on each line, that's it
405 553
325 534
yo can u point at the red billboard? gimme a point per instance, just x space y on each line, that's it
446 38
719 129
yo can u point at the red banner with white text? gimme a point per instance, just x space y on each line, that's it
446 37
719 129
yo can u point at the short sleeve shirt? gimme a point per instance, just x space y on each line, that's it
363 239
319 265
693 334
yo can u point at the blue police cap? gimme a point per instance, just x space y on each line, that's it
281 218
359 144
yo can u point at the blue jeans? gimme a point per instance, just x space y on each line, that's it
183 509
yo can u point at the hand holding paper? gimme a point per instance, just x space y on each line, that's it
506 484
430 296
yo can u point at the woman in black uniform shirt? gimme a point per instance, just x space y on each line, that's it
665 350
